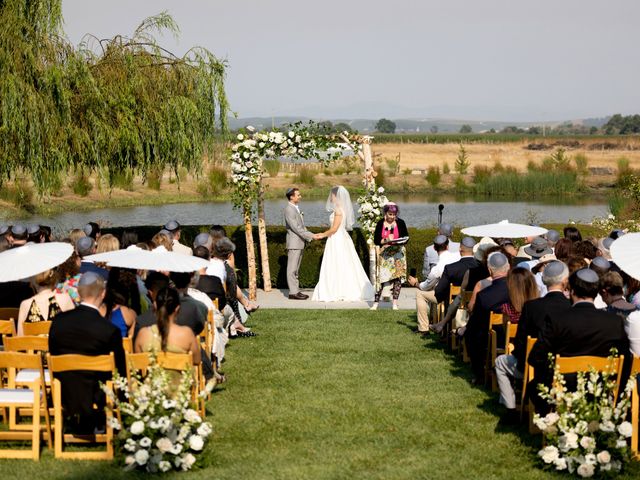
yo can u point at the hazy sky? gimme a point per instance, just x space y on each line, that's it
489 59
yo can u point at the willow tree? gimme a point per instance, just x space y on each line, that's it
119 104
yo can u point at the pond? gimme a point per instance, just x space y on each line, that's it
417 211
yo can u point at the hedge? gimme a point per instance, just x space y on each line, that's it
312 259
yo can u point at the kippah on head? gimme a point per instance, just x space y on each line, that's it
87 229
497 260
166 233
33 229
606 243
290 191
445 229
84 245
440 240
601 263
468 242
88 278
4 229
171 226
202 239
553 269
553 235
18 229
587 275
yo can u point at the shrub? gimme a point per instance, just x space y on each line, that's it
19 194
306 176
481 174
561 161
625 173
582 163
327 172
623 165
380 178
154 178
460 185
215 182
272 167
53 180
497 166
532 166
445 168
123 179
394 166
462 162
433 176
407 171
80 183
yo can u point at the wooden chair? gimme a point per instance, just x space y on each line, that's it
7 328
36 328
584 363
528 376
26 376
72 362
127 344
454 291
15 397
635 411
495 319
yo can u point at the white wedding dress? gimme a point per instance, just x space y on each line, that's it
342 277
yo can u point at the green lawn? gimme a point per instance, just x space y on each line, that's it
342 394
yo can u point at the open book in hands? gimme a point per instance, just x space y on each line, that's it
397 241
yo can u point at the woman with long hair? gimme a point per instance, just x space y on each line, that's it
522 287
122 300
46 303
165 335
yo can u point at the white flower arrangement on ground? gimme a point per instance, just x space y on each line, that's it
370 209
587 433
611 222
160 430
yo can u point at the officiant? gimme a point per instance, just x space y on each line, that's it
391 260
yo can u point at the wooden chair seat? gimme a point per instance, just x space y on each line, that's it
36 328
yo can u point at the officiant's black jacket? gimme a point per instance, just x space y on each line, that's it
402 230
532 321
453 275
84 331
580 330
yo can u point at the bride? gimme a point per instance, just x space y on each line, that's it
341 274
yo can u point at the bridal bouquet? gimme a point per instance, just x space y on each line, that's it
587 433
160 429
370 210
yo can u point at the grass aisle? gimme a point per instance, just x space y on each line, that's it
341 395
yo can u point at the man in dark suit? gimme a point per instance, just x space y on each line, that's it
488 300
454 272
532 319
84 331
579 330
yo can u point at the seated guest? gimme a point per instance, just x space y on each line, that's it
84 331
563 249
174 228
34 234
585 249
209 284
128 238
166 335
154 282
572 233
430 257
454 274
163 239
12 293
488 300
538 248
580 330
68 275
522 287
508 367
18 237
612 292
75 235
601 266
552 236
426 301
122 300
86 246
46 304
192 313
92 229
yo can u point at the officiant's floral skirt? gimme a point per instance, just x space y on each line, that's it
391 264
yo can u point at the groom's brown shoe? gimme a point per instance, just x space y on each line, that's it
298 296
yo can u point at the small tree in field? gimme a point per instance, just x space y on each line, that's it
385 126
462 162
466 129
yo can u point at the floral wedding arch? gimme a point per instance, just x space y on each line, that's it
247 156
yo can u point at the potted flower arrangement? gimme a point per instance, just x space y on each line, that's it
587 433
160 429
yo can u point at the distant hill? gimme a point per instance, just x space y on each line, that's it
407 125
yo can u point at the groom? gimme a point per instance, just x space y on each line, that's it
297 236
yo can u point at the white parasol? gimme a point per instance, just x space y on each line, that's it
504 229
625 252
158 259
33 258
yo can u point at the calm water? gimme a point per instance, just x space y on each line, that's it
416 210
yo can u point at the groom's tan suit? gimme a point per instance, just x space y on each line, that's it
297 237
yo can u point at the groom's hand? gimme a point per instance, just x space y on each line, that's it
317 236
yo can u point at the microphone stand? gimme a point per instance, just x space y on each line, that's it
440 209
